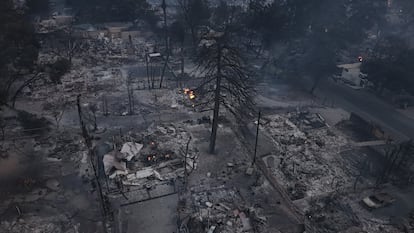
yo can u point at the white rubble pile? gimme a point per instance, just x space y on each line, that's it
160 157
131 149
118 160
113 160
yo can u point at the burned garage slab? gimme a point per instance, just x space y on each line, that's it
154 215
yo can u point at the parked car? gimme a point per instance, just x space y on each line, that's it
378 200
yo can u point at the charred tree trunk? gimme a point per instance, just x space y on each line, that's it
391 158
58 117
257 137
181 75
95 124
361 173
185 164
193 36
217 99
6 93
408 149
20 89
105 106
315 84
182 60
3 129
131 100
130 93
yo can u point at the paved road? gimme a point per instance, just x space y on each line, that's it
368 106
361 102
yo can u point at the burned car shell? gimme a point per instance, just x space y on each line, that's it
378 200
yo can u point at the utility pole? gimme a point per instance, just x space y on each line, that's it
147 67
257 137
185 164
167 46
164 10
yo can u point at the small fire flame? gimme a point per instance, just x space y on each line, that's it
151 158
190 93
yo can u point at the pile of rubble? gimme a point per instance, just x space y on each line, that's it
219 210
35 196
148 159
331 214
307 121
337 212
307 158
35 224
